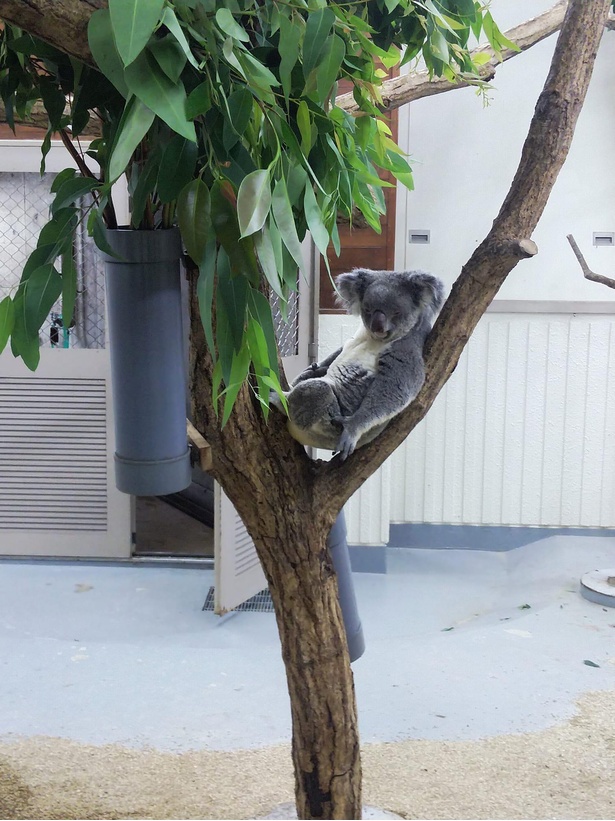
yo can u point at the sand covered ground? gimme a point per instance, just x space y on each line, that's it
567 771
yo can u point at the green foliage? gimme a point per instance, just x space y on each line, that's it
223 117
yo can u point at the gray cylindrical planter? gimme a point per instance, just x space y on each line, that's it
148 362
338 547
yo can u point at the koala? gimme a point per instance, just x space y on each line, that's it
348 399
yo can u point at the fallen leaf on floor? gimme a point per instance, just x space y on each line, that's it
590 663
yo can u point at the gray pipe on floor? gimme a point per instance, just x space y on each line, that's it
338 547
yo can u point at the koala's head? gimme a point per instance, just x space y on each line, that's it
390 303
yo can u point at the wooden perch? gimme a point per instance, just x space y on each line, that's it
203 447
587 273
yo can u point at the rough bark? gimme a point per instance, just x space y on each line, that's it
62 23
269 479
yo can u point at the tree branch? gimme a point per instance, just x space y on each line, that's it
64 25
545 149
587 272
61 24
409 87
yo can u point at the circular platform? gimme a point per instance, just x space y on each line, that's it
599 586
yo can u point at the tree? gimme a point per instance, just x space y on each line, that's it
260 467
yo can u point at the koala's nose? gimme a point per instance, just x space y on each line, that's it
378 325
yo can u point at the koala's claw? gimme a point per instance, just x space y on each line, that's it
346 445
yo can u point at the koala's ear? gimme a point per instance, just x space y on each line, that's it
352 286
427 290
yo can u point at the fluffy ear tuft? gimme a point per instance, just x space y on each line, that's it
427 290
351 288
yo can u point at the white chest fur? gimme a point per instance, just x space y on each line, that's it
361 350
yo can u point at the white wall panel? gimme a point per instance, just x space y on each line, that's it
522 434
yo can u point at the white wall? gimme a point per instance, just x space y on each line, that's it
524 432
464 157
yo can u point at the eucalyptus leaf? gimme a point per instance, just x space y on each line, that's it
176 167
260 308
72 190
169 19
145 187
69 287
59 230
313 215
7 320
283 214
239 372
151 85
133 22
169 55
291 31
318 27
240 105
41 255
99 235
232 297
104 52
54 102
194 218
228 24
134 125
199 101
226 225
23 344
267 258
329 67
253 202
205 293
42 289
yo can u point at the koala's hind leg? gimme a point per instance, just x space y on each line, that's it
312 407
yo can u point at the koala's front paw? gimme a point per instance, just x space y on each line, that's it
348 439
276 402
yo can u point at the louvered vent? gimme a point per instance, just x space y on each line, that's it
53 454
246 556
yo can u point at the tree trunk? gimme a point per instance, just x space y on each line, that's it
270 481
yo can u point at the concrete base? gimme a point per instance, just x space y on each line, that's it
597 586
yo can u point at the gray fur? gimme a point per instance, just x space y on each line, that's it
349 398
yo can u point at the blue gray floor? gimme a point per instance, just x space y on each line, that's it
461 645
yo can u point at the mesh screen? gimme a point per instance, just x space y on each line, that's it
24 209
287 332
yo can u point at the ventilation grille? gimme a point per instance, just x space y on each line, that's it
260 603
246 556
53 454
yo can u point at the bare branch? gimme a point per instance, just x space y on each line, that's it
408 87
587 272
